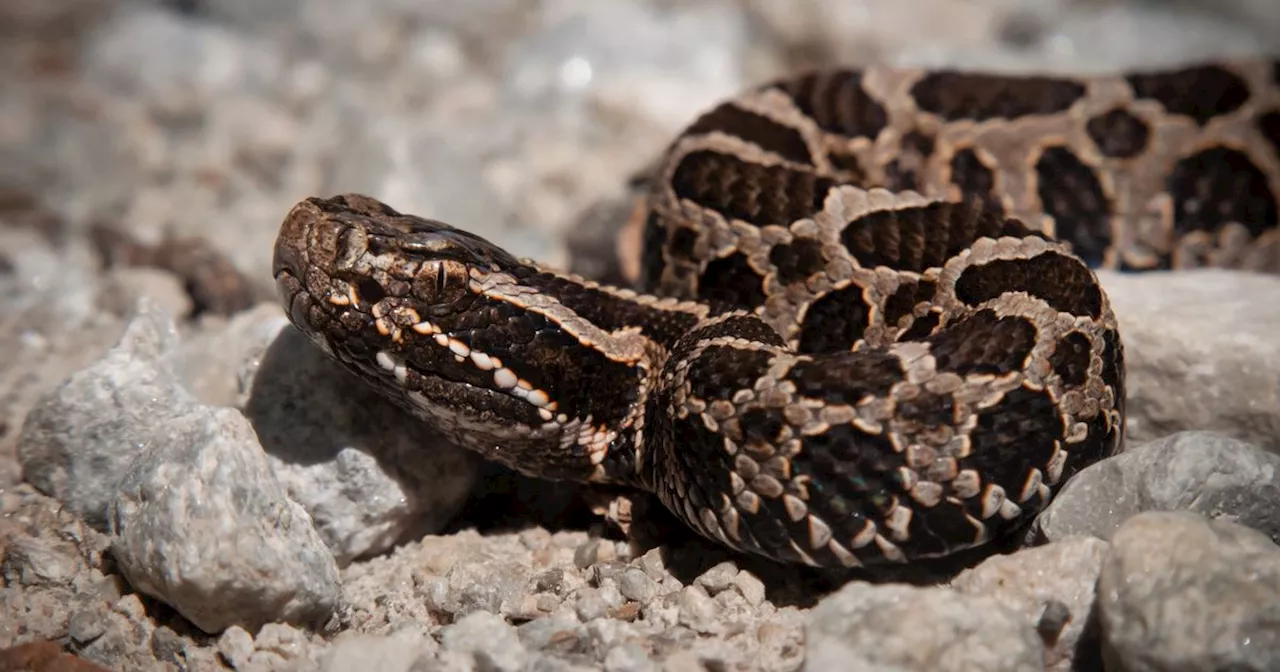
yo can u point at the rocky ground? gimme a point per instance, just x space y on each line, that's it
186 484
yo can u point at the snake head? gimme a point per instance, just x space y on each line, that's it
441 322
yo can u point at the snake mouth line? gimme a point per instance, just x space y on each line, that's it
514 395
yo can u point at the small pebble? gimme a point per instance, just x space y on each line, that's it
86 625
629 657
634 584
491 641
547 603
236 646
560 630
751 587
590 604
697 610
1053 620
549 581
168 647
718 578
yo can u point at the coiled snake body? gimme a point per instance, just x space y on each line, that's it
879 339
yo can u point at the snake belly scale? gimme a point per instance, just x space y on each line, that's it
867 328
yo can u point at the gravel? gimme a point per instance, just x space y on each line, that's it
186 484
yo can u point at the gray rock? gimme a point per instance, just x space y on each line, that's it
1193 471
366 471
652 564
1180 593
201 523
590 604
397 652
33 561
629 657
900 627
782 641
49 323
561 630
168 647
497 587
492 641
1057 579
86 625
606 633
79 440
1200 352
235 645
717 578
698 611
277 646
634 584
123 286
210 361
751 587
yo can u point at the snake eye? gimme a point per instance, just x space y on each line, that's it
441 282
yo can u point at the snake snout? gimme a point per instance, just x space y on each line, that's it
306 236
290 254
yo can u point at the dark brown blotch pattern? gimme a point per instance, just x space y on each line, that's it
722 370
983 343
907 168
926 412
1060 281
975 180
847 166
1069 192
956 95
752 192
766 133
919 238
834 322
922 327
683 242
703 467
908 295
1269 127
1220 186
797 260
742 325
732 281
1201 93
1013 437
938 529
611 312
846 377
1118 133
1070 359
684 450
837 103
851 479
653 242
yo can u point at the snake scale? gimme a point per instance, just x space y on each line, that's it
867 327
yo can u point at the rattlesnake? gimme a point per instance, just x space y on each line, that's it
878 337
